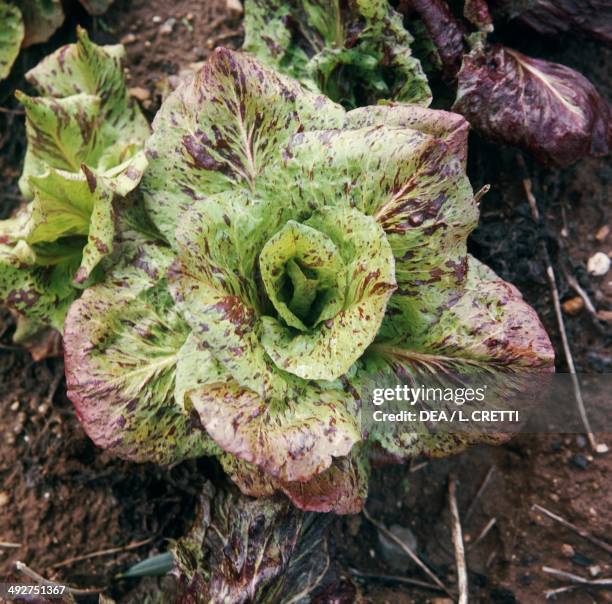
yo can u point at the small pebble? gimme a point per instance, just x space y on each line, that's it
554 497
167 27
189 16
147 43
595 570
567 550
573 306
4 499
234 7
581 441
14 405
598 264
156 19
139 93
128 39
580 461
602 233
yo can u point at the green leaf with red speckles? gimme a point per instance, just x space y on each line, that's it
40 293
11 36
224 131
123 339
342 488
85 115
354 52
85 140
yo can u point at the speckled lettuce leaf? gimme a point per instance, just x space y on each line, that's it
256 550
224 131
552 17
487 332
85 115
11 36
545 108
84 156
123 339
356 53
41 18
342 488
292 439
80 204
40 293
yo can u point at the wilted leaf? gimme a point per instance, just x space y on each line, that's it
96 7
11 36
260 551
41 18
545 108
355 53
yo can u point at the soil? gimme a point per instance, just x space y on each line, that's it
61 497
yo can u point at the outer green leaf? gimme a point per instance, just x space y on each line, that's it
356 52
99 124
487 331
123 340
11 36
33 291
62 132
222 131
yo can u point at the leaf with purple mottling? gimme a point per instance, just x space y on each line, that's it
356 53
123 339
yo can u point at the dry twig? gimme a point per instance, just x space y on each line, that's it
552 281
10 544
462 577
576 581
483 533
481 489
103 552
395 579
584 534
407 550
573 283
28 572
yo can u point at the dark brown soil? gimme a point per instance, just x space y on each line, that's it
61 497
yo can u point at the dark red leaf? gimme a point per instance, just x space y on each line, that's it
545 108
